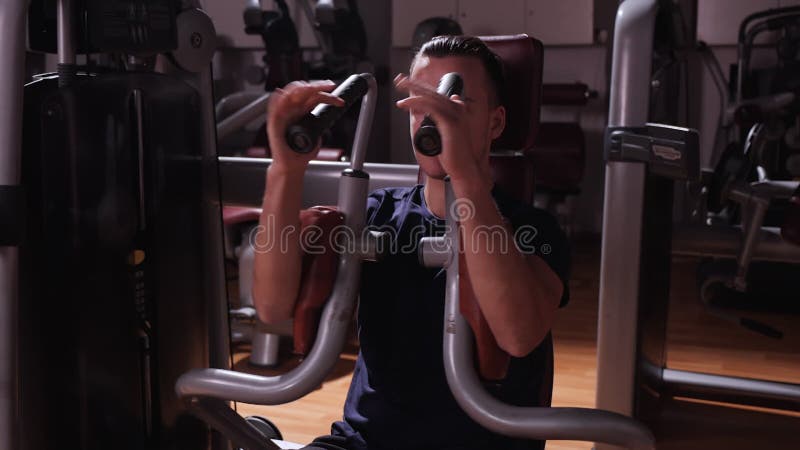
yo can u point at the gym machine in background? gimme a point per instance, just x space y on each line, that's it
120 277
643 161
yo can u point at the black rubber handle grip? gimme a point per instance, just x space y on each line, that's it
302 137
427 139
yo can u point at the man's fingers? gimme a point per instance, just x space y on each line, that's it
437 108
297 92
406 84
299 97
322 97
417 89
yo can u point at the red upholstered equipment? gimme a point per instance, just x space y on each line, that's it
513 172
234 215
491 359
317 276
559 155
566 94
522 58
318 268
559 151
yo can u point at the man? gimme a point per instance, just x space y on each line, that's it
399 398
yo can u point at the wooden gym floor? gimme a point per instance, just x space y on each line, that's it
697 341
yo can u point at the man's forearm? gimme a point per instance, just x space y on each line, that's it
518 294
278 257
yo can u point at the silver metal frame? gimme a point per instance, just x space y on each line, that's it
704 384
618 327
722 241
252 111
622 214
243 179
228 385
12 77
580 424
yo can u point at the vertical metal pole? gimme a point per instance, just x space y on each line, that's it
12 78
66 31
66 41
622 212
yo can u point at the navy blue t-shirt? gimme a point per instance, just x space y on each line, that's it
399 397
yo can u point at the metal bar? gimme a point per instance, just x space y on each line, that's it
363 129
529 423
137 105
752 233
312 22
228 422
12 78
720 241
434 252
243 117
66 33
306 377
734 389
228 385
622 212
244 179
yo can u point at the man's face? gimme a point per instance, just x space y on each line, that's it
480 109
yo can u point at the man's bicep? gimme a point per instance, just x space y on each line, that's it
552 281
537 233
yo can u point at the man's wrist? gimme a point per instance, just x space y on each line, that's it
289 173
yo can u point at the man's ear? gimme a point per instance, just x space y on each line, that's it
497 121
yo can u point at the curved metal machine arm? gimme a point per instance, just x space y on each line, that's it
284 388
579 424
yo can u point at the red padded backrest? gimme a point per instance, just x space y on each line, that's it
522 58
512 169
491 360
317 276
514 174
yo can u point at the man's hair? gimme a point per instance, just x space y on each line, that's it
468 46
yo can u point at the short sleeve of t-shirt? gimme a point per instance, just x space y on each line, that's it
536 232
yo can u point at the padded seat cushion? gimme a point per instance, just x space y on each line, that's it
492 361
317 276
514 173
559 156
234 215
565 94
522 58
